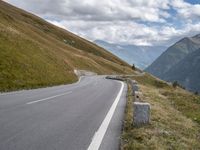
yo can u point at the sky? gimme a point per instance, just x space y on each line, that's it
138 22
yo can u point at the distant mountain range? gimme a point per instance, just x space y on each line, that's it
180 62
140 56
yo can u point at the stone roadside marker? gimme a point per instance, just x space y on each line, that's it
138 96
134 88
133 82
141 114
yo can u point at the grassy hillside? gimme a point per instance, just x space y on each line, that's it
175 118
35 53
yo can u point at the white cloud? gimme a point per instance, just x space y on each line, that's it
141 22
145 10
187 10
115 32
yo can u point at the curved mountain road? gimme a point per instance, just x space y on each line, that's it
80 116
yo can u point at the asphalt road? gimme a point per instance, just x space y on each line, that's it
66 117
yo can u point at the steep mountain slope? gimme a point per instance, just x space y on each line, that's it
174 55
186 72
36 53
141 56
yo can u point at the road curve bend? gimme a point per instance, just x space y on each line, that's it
66 117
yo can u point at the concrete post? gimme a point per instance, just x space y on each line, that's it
134 82
141 114
138 96
134 88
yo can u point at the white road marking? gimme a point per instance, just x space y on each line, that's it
98 136
48 98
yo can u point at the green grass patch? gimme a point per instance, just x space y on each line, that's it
185 102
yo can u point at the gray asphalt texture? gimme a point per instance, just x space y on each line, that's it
65 122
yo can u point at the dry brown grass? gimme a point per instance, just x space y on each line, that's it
171 127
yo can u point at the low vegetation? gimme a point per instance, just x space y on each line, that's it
133 67
175 118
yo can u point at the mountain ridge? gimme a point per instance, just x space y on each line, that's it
177 63
140 56
186 72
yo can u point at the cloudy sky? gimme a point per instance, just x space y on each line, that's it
140 22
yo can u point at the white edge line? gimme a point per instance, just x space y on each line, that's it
98 136
48 98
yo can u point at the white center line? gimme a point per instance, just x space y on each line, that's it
98 137
48 98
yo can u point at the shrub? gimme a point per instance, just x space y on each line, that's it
133 67
175 84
